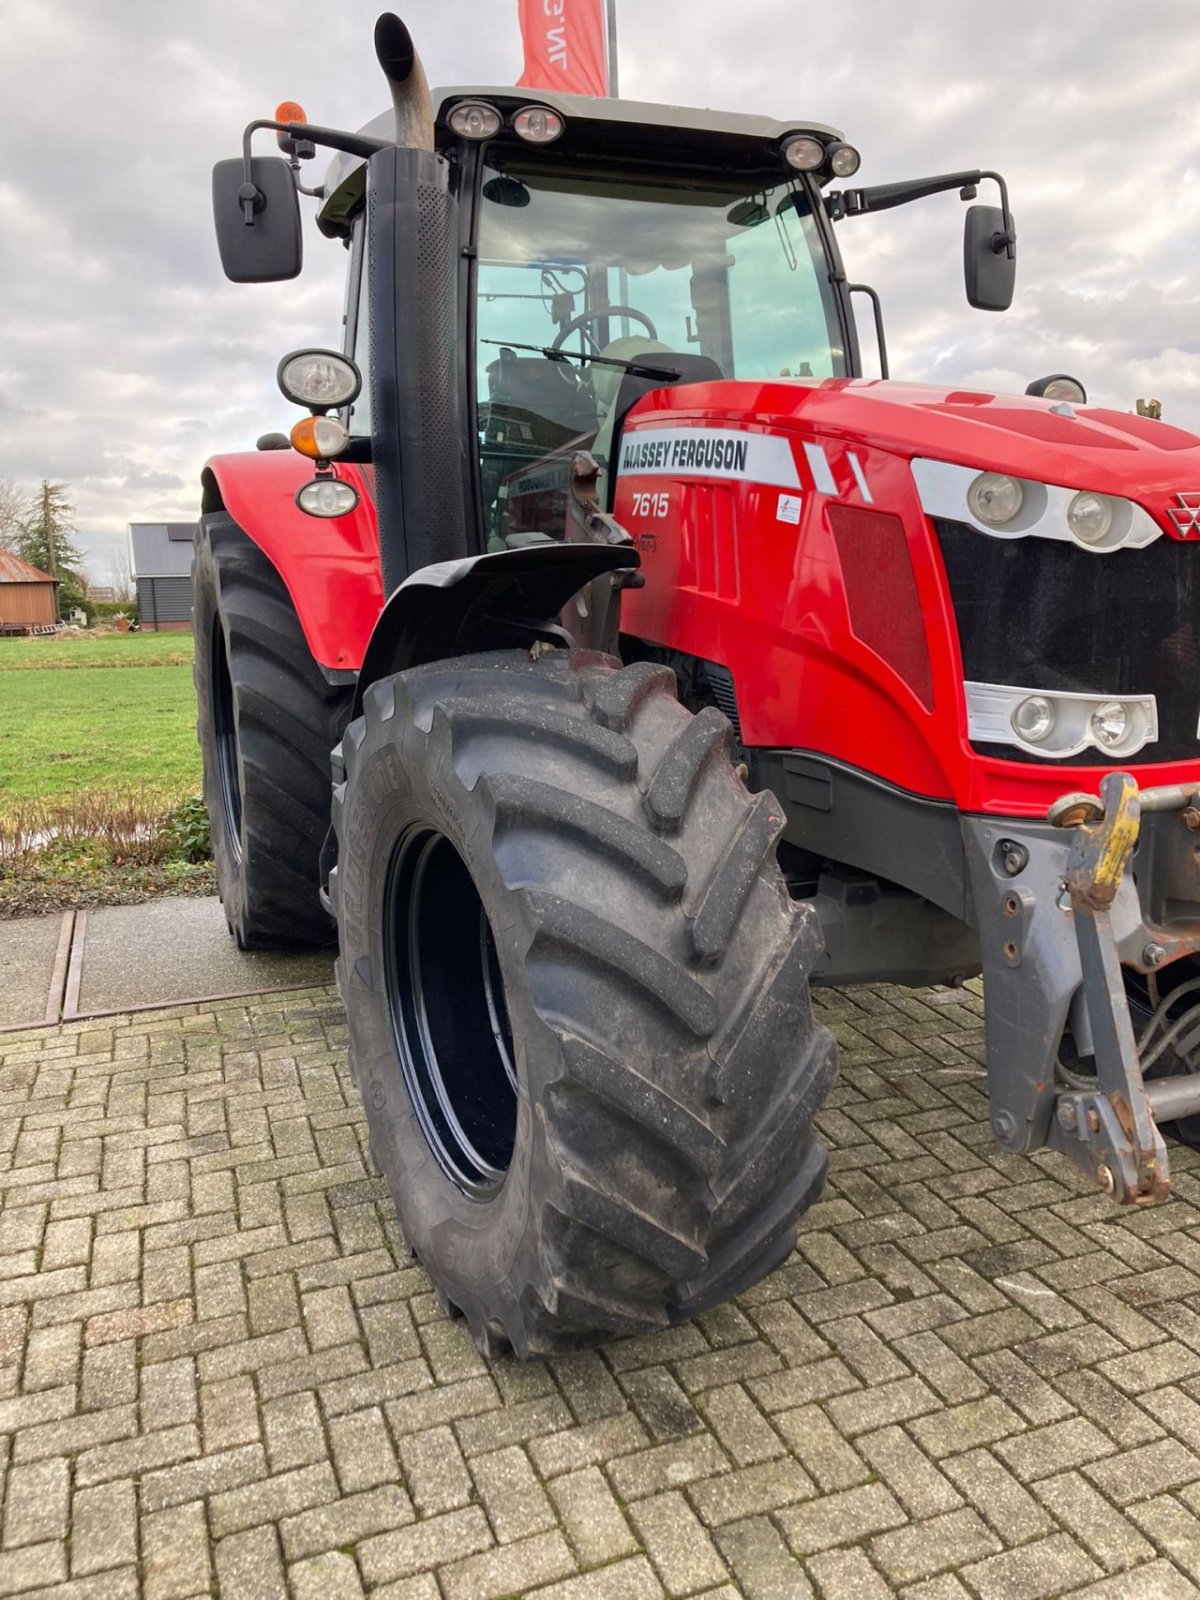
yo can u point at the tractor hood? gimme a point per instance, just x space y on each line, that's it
1111 452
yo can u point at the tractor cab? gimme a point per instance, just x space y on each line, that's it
609 247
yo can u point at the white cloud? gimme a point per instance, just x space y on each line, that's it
126 358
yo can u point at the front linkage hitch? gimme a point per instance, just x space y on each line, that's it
1056 938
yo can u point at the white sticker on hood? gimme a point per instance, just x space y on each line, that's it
710 453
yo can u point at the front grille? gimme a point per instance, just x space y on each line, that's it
1044 614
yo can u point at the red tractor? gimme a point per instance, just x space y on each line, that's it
669 666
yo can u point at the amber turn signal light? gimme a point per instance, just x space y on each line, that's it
319 438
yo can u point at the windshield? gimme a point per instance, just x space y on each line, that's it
633 268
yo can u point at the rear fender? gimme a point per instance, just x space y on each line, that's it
330 566
502 600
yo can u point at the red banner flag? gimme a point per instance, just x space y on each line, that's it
564 46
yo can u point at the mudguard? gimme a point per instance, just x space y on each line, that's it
329 566
490 602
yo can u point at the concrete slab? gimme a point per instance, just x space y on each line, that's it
177 950
27 951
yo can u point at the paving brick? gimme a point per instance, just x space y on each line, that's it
847 1575
624 1580
346 1521
437 1540
839 1519
924 1548
435 1471
1049 1567
820 1449
494 1574
175 1554
333 1576
679 1547
249 1566
762 1565
921 1489
1109 1537
590 1517
271 1499
292 1431
36 1501
513 1498
228 1413
1149 1470
362 1450
739 1426
103 1528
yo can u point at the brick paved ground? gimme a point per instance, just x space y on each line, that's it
219 1372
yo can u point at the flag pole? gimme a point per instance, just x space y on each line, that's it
610 7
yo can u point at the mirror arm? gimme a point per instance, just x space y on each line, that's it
354 144
883 196
1006 242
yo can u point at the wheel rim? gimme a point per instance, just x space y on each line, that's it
225 729
449 1014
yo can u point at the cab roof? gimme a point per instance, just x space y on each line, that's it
731 141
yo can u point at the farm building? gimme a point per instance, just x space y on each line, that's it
162 570
28 598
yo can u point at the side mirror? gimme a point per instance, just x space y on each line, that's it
268 247
990 272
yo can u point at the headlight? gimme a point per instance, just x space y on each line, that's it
538 125
1090 516
475 119
1058 724
322 379
1033 719
804 153
844 160
995 498
1110 724
1007 507
327 497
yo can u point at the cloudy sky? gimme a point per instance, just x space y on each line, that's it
126 358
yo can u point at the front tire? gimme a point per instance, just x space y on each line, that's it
267 721
577 995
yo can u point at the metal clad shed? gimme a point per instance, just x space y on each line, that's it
28 598
162 569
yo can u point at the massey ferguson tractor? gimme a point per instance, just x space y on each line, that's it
604 660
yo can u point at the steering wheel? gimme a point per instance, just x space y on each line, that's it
579 324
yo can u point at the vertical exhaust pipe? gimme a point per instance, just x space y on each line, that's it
402 68
420 435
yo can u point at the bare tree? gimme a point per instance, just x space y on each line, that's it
13 504
121 575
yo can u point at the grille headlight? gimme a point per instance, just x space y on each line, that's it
1009 507
995 498
1055 725
1033 719
1110 724
1090 516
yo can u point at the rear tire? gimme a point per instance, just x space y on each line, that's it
267 722
577 995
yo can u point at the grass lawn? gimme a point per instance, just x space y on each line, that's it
63 734
98 650
99 771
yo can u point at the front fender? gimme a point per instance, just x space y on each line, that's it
487 602
330 567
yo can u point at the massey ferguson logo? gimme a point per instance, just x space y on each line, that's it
1185 513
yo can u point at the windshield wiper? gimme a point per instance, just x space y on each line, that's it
638 368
